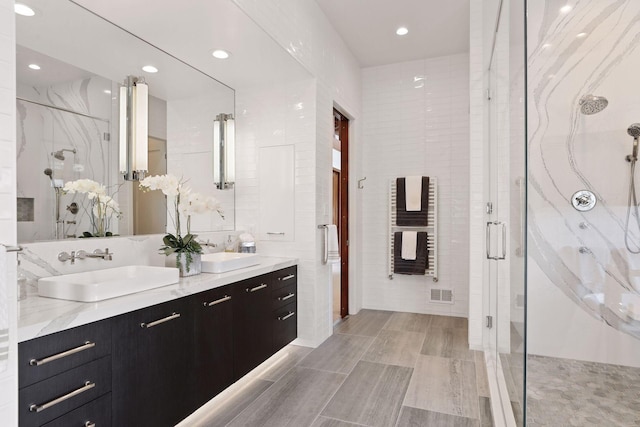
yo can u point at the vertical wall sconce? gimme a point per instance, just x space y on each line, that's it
224 157
134 128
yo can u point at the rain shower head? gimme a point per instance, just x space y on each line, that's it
60 153
592 104
634 130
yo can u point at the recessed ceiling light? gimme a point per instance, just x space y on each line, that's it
581 35
149 69
107 91
566 9
34 66
220 54
402 31
23 9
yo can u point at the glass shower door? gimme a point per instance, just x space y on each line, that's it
506 214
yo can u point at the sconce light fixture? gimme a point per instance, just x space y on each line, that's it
134 128
224 157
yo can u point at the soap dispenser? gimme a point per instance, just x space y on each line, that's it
230 246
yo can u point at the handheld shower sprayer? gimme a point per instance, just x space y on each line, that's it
632 200
634 131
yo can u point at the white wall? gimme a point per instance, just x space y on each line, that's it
416 122
302 29
479 24
8 376
593 296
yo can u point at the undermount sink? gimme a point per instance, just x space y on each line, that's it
222 262
99 285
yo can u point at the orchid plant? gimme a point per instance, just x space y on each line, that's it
103 206
185 204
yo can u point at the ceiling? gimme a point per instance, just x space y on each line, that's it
368 27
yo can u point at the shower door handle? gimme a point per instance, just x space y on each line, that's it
503 230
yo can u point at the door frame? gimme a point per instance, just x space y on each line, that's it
343 226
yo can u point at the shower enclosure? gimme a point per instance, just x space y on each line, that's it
564 95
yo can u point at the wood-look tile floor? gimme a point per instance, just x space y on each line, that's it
378 369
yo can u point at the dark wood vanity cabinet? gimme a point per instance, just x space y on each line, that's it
252 338
214 330
152 365
155 366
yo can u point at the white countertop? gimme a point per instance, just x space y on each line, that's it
40 316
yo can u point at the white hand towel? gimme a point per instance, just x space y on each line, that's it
413 193
333 247
409 245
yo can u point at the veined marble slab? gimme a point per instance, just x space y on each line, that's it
43 316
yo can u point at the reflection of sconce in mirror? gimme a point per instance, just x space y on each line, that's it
224 158
134 134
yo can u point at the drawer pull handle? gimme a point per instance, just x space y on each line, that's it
286 297
87 345
276 233
89 424
39 408
173 315
218 301
291 313
291 276
257 288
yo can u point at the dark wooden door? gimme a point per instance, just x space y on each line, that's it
213 312
252 327
152 365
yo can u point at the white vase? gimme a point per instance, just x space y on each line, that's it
179 260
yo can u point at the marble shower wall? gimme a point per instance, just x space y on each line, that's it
41 131
584 286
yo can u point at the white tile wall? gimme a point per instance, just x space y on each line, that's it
9 378
301 28
416 122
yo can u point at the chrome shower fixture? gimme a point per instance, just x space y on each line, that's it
60 153
592 104
634 131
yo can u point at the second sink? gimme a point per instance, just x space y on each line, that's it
222 262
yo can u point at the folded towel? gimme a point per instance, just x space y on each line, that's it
413 196
333 246
404 266
412 219
409 244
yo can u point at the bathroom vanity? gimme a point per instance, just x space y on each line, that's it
151 358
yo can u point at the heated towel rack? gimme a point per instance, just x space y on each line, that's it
431 228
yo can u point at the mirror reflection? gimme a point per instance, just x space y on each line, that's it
70 67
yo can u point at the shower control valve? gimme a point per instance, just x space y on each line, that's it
583 200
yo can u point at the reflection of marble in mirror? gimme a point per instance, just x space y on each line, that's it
67 124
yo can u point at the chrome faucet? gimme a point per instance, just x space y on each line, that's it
73 256
105 255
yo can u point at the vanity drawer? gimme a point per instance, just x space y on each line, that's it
44 357
56 396
285 277
95 413
285 295
285 327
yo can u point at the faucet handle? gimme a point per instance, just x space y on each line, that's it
106 255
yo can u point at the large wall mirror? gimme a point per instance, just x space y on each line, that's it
70 66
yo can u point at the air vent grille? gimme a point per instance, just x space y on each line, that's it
444 296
